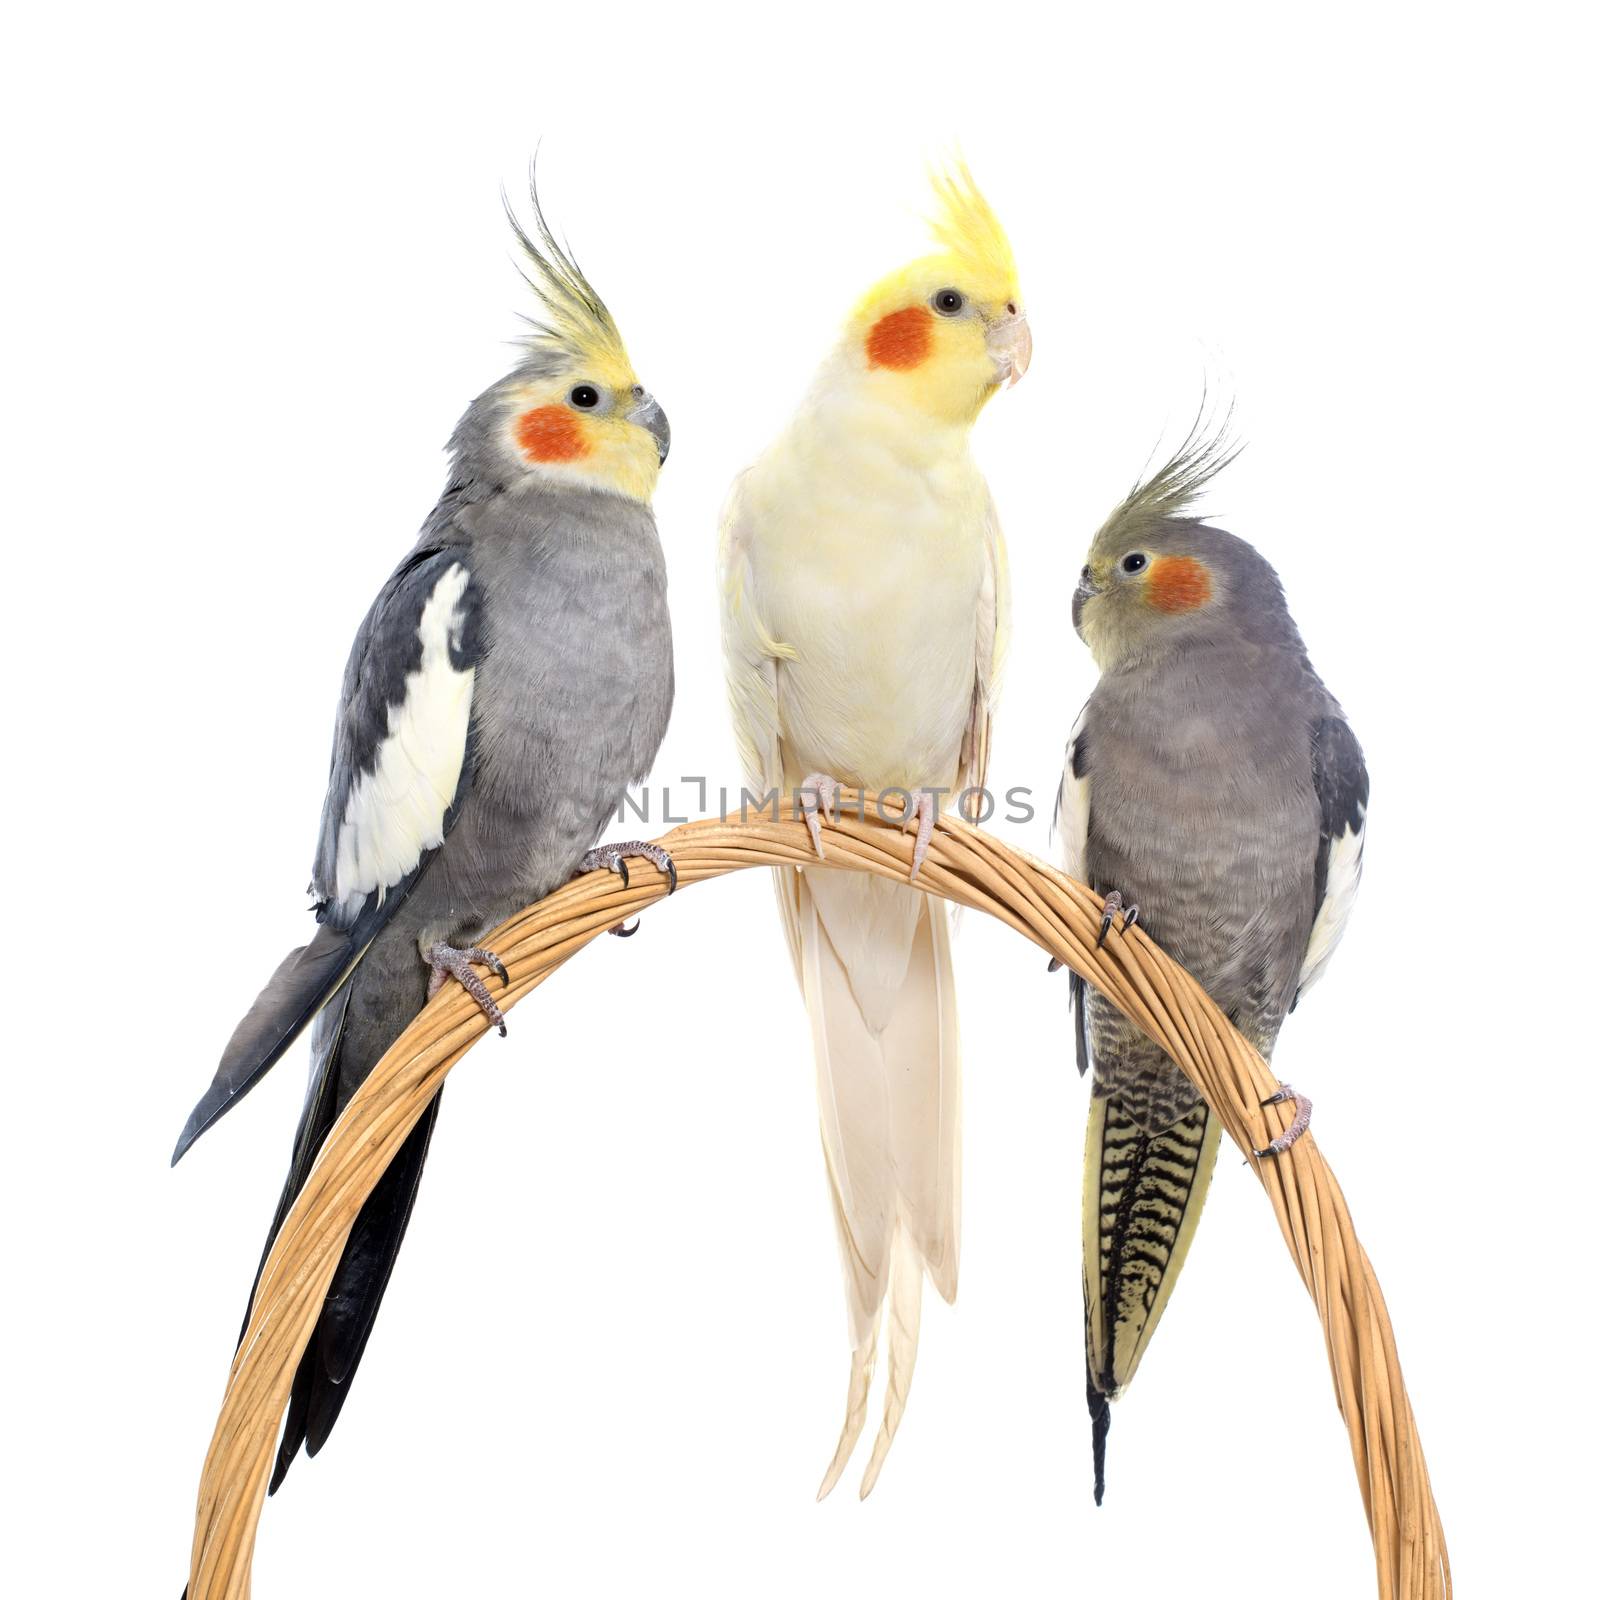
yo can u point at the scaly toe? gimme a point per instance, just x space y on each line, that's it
446 960
818 794
925 810
615 857
1108 915
1302 1121
489 959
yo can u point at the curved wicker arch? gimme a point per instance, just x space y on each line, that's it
967 867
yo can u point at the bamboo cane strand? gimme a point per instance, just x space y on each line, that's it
967 867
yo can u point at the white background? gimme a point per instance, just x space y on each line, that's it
258 268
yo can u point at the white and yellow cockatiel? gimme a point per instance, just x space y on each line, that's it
864 617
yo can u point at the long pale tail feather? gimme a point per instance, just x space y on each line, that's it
1142 1198
875 965
904 1312
855 1413
923 1073
853 1109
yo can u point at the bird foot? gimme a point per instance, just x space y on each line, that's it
1302 1121
922 811
449 962
1108 915
819 794
614 858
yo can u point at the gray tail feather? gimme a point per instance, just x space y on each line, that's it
322 1380
328 1365
301 986
1099 1427
1077 997
320 1112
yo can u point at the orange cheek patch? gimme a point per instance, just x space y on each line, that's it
1177 583
550 434
902 339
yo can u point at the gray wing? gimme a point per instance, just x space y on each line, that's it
1339 774
1072 828
402 765
402 759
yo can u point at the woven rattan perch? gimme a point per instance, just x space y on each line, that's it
967 867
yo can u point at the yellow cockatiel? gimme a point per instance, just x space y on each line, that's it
864 616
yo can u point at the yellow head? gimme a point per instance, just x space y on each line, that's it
941 335
573 410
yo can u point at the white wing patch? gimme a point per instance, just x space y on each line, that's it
1338 900
396 812
1072 810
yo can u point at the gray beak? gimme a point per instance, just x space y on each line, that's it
653 420
1086 591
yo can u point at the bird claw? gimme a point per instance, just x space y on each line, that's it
1108 915
1302 1121
447 961
614 858
922 808
819 793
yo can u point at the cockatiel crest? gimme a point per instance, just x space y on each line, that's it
574 410
1154 572
941 335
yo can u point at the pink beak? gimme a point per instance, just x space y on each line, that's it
1011 345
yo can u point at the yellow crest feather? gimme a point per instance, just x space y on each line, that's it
574 326
970 232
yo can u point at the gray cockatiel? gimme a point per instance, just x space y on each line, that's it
1214 791
511 679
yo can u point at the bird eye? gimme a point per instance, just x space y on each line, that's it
948 302
585 397
1135 562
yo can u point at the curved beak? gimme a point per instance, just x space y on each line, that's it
1011 345
648 415
1086 591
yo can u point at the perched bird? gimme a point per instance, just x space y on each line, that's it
513 676
1214 792
864 606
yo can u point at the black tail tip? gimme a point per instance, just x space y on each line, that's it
185 1139
1100 1426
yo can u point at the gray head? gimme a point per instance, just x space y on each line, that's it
1158 578
572 410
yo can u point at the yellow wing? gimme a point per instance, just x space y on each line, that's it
994 636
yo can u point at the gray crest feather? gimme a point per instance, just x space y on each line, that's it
1173 488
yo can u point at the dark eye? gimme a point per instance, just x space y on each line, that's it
948 301
1135 562
584 397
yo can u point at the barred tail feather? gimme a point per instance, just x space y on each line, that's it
1143 1194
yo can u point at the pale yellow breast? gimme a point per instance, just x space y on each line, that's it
867 558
